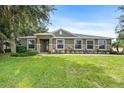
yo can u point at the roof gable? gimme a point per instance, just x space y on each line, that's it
63 33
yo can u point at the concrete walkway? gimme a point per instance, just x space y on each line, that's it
78 55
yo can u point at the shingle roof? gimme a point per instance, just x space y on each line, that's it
83 35
74 35
92 36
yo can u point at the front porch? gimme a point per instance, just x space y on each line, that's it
44 43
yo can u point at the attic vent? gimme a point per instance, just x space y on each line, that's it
60 32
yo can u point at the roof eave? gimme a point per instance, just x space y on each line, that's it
84 38
27 37
43 34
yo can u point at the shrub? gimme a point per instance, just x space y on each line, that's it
27 53
102 51
7 50
32 52
113 52
21 49
116 53
19 54
85 51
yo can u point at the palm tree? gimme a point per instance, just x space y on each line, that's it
116 45
119 44
122 45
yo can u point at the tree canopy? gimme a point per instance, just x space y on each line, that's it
120 27
21 20
119 43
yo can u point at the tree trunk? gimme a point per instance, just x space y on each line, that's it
1 46
12 36
12 43
117 48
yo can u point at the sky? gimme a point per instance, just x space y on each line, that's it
86 19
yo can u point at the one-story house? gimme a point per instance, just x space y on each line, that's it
63 41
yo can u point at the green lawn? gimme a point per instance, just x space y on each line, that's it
62 71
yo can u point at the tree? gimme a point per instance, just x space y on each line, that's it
122 45
3 33
116 45
120 31
119 43
120 27
2 36
19 19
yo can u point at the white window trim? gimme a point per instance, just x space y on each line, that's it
28 45
63 44
81 44
105 44
93 44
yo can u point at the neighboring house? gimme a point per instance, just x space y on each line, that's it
62 41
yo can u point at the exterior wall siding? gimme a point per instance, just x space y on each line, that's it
96 44
84 44
109 44
69 39
69 45
24 42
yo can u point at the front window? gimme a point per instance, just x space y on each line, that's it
31 43
89 44
101 44
60 44
78 44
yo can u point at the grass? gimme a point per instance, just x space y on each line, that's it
62 71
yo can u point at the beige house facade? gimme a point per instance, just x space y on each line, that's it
63 41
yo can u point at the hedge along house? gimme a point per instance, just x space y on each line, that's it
62 41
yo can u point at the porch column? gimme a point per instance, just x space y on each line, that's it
50 44
38 45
